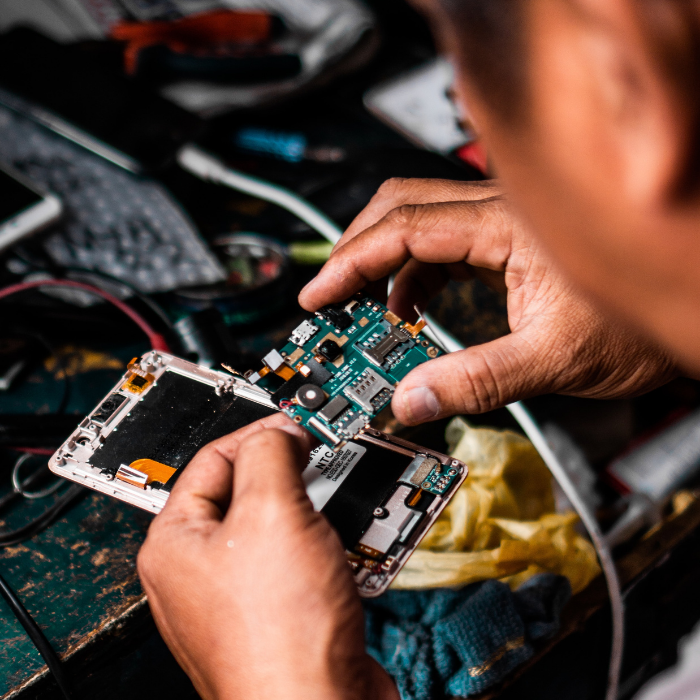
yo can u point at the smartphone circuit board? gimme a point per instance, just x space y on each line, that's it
339 369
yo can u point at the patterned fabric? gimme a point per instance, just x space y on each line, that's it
445 643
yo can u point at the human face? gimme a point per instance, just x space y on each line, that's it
593 160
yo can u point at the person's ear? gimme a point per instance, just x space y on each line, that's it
645 117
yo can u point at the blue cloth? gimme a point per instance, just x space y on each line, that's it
445 642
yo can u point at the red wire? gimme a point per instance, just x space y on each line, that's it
33 450
157 341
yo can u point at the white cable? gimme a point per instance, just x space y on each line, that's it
207 167
532 430
537 438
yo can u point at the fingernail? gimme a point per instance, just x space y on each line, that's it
293 429
421 403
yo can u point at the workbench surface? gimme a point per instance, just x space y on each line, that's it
77 579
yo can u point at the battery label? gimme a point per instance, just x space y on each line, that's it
327 470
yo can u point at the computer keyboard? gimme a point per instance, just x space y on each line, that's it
115 222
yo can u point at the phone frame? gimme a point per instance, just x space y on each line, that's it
71 460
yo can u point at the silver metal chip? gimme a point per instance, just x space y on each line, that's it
354 427
370 391
273 360
382 534
333 409
304 332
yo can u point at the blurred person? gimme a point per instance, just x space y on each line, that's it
589 112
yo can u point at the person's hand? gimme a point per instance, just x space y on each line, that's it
249 587
432 230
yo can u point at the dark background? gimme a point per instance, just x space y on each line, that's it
133 659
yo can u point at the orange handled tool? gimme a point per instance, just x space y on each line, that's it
201 31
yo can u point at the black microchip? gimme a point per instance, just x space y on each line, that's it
108 408
367 486
319 374
138 381
330 350
337 317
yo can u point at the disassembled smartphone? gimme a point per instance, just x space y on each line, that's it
339 370
379 492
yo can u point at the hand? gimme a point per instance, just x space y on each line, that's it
249 587
434 230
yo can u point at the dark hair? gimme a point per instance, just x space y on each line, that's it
490 43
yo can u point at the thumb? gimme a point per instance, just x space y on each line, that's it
478 379
268 469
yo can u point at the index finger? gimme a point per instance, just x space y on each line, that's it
268 470
203 491
479 233
399 191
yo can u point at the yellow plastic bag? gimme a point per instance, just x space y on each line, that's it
501 523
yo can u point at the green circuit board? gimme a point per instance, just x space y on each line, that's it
339 369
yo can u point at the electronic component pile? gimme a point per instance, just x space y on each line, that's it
339 369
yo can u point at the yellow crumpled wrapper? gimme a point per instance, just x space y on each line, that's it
501 523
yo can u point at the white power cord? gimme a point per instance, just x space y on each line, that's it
534 433
532 430
207 167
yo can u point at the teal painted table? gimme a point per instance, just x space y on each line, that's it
78 579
